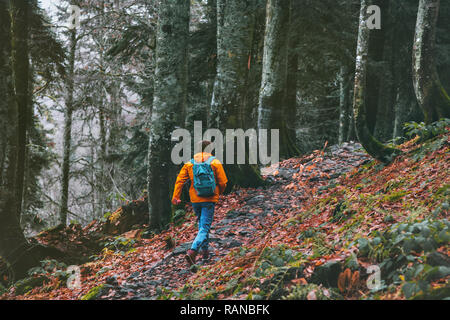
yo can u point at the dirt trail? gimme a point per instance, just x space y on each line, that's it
254 213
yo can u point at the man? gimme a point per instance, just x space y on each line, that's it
203 201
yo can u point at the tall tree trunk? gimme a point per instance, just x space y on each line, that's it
291 91
272 110
400 109
432 97
19 28
14 248
235 24
351 134
376 51
169 100
68 129
387 95
5 86
344 91
101 183
375 148
102 158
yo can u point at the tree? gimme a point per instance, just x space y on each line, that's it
272 109
375 148
235 26
14 248
20 63
168 103
344 97
376 48
431 95
69 102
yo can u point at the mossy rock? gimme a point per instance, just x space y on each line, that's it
327 274
395 196
96 292
25 285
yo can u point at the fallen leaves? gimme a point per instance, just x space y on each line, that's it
308 190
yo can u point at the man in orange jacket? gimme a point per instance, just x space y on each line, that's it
203 206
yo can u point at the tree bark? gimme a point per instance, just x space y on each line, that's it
376 50
344 92
274 73
432 97
272 108
387 95
375 148
170 93
14 248
291 86
68 129
19 28
235 24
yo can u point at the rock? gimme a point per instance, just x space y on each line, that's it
233 244
244 233
279 206
124 291
226 222
27 284
327 274
154 283
134 275
256 199
97 292
285 173
182 248
112 281
292 273
234 214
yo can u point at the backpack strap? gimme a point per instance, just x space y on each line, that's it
210 159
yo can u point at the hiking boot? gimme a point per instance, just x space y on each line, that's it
190 257
205 254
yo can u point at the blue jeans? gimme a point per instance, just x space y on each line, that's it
205 214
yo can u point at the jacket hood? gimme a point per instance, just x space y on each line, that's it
202 156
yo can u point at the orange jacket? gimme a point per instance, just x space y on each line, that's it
187 173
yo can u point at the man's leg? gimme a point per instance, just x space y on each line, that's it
208 213
204 225
197 210
191 254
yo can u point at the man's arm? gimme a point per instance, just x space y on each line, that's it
183 176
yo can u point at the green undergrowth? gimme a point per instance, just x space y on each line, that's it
407 256
393 217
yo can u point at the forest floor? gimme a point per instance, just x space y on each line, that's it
314 232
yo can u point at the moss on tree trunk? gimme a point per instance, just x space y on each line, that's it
431 95
235 31
169 100
375 148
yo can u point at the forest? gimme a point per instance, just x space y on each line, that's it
355 205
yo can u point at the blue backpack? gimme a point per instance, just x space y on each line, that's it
204 180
